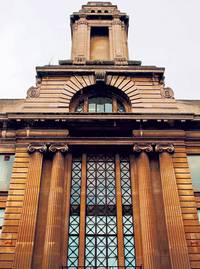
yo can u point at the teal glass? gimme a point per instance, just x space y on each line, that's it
194 164
6 165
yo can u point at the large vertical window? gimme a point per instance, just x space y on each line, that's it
101 226
129 245
6 164
101 235
73 243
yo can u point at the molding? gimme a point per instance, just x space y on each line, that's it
58 147
164 148
37 147
143 148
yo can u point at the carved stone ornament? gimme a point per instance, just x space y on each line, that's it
58 147
37 147
167 93
164 148
142 147
33 92
100 75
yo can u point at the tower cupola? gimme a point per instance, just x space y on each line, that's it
99 34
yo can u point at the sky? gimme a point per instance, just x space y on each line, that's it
162 33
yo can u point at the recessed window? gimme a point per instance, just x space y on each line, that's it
100 105
198 214
6 164
194 164
2 211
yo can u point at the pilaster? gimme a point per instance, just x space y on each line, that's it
26 234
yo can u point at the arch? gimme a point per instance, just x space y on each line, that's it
97 91
122 83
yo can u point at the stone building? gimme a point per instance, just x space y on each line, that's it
96 161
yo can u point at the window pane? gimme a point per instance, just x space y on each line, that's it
120 107
92 106
80 107
108 105
198 213
6 164
194 163
2 211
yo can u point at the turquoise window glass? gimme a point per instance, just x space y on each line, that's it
198 214
73 244
2 211
6 164
194 164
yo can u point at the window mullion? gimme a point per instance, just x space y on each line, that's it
81 261
121 261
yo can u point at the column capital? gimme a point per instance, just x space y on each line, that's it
164 148
142 148
58 147
37 147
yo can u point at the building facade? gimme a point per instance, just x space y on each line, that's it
99 163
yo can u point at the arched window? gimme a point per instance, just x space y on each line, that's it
98 99
100 105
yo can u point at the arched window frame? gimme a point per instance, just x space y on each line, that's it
84 97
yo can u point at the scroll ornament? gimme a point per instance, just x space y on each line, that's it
142 147
37 147
57 147
164 148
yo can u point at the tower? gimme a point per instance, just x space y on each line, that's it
95 161
99 33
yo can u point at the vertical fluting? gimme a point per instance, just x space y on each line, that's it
26 234
174 222
52 246
151 258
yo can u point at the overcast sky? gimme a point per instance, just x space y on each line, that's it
165 33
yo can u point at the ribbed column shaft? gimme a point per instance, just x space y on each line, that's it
174 222
26 234
151 258
52 245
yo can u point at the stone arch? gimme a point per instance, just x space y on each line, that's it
122 83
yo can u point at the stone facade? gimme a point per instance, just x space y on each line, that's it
95 109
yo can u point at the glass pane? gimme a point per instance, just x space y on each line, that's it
92 107
100 104
80 107
2 211
108 105
6 164
198 213
120 107
194 163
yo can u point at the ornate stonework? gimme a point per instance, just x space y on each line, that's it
142 147
58 147
33 92
37 147
164 148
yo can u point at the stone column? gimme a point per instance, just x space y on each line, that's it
52 245
81 41
173 215
118 39
150 250
27 225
